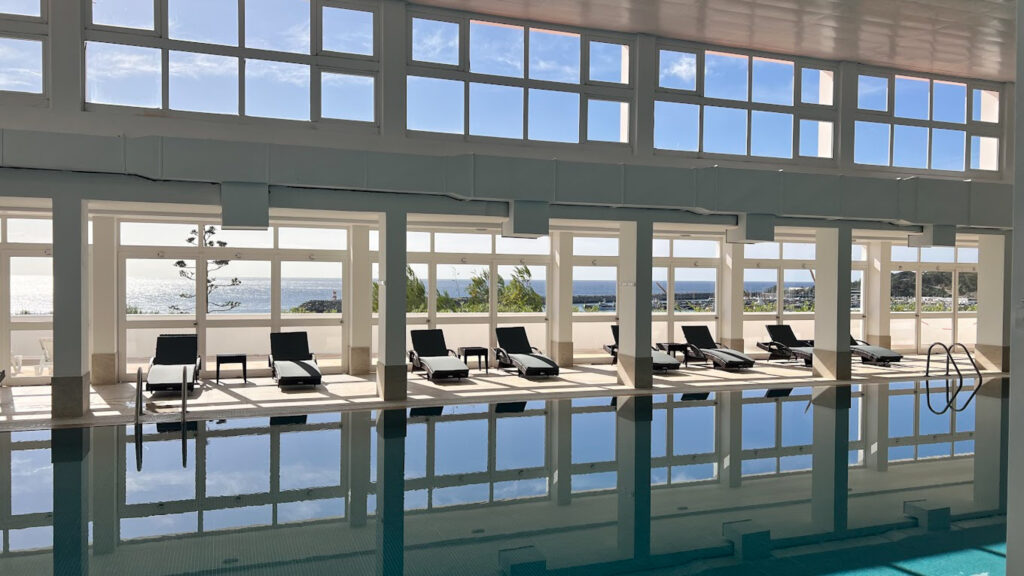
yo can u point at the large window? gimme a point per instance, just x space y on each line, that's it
272 67
926 123
548 96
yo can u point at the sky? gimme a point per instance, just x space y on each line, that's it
131 76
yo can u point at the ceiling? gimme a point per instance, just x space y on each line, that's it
968 38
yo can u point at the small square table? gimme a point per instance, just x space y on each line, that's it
480 352
232 359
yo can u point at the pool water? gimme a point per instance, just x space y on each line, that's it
809 480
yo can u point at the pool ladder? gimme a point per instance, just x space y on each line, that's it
139 412
951 392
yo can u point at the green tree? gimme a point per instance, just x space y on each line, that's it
415 293
212 267
519 295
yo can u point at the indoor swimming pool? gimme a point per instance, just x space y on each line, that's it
899 478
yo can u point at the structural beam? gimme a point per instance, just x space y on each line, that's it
830 469
635 368
391 430
876 292
391 305
104 278
730 438
561 451
633 477
832 303
70 455
731 301
70 383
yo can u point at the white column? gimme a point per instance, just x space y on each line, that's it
356 430
876 427
646 66
561 450
730 299
832 303
560 299
831 443
1015 504
107 447
876 293
730 438
70 383
391 367
103 273
993 344
357 302
634 304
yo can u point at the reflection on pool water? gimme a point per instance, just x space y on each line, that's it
582 486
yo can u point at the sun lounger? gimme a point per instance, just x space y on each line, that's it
291 361
174 353
661 361
430 354
701 346
514 350
785 345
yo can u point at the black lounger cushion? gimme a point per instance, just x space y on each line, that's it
174 353
432 354
514 342
700 337
292 362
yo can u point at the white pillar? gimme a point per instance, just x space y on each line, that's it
393 58
560 299
876 427
1015 508
830 469
356 430
635 368
65 59
70 383
103 279
391 305
357 302
107 444
561 450
832 303
730 301
993 344
876 291
730 438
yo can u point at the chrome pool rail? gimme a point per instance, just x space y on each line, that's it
951 396
138 395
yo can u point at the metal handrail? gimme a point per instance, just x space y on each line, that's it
138 395
950 360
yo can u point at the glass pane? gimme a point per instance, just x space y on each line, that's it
554 116
904 254
460 447
948 149
209 21
609 62
348 31
20 7
311 287
725 130
21 65
503 245
522 289
771 134
312 238
239 238
416 277
902 291
873 93
659 297
554 56
237 465
950 101
583 246
967 254
967 292
695 289
761 250
237 287
159 287
693 430
911 97
593 438
984 153
760 290
677 70
799 250
695 248
676 126
910 146
202 82
31 476
463 288
156 234
758 426
856 289
122 75
435 105
310 459
944 254
495 49
936 291
799 294
607 121
816 138
725 75
520 443
817 86
276 90
280 25
163 478
797 424
871 143
460 243
347 97
772 81
986 106
435 41
31 286
594 288
123 13
495 110
29 230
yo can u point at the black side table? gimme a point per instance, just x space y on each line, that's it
672 347
232 359
480 352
